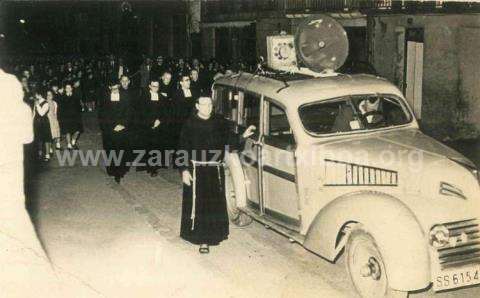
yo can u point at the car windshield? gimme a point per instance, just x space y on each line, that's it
358 112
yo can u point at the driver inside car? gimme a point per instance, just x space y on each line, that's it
371 110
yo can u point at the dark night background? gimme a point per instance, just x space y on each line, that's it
94 28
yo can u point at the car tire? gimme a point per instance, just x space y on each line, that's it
366 267
236 216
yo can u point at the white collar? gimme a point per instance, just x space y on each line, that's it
153 96
187 92
115 96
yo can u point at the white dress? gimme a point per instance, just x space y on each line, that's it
52 117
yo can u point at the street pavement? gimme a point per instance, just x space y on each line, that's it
122 241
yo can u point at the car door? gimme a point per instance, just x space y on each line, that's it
280 196
249 114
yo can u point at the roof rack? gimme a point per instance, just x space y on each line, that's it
293 74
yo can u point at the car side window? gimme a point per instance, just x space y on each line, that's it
251 111
331 117
277 131
380 111
225 102
357 112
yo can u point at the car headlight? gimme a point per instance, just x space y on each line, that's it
476 173
439 236
470 167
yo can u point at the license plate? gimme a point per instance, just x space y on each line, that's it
456 278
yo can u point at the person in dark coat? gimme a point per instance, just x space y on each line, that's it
128 92
111 70
158 68
132 98
70 114
41 124
195 83
28 94
154 131
89 91
183 106
204 218
145 72
114 118
166 91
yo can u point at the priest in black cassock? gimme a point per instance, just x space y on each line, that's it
166 91
166 85
127 93
183 106
203 142
154 131
114 118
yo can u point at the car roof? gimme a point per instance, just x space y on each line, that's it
295 90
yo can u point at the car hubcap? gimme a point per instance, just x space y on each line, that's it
366 269
371 269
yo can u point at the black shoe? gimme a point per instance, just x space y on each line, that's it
204 249
117 179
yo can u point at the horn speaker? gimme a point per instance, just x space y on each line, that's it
321 43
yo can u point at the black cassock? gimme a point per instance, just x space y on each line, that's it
166 91
113 112
204 208
154 140
183 108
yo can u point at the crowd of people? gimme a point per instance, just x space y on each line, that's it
162 90
155 110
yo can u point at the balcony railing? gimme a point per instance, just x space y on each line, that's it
211 9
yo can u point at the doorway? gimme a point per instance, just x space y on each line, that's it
414 69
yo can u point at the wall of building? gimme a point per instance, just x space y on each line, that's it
231 41
270 26
442 79
208 42
99 27
255 36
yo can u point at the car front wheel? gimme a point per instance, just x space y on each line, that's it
237 217
366 267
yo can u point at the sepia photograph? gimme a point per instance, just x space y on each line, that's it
239 149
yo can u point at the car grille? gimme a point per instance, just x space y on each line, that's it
465 250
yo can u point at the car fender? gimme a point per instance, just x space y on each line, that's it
232 161
397 233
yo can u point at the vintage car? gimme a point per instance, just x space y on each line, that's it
338 163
